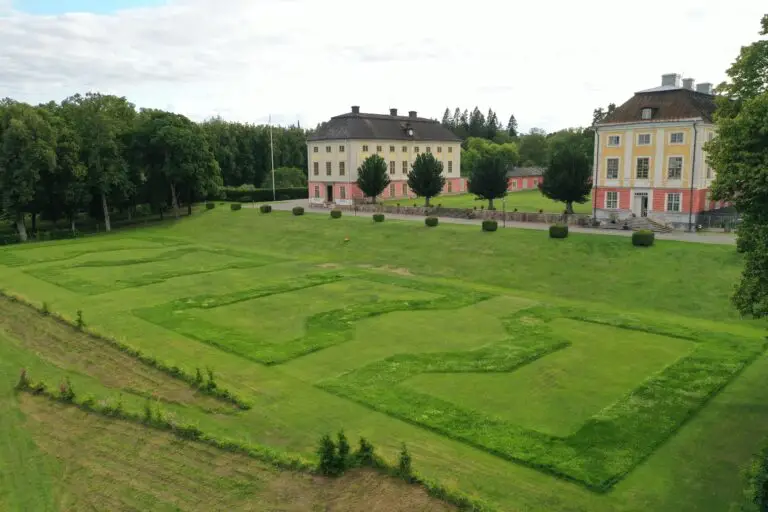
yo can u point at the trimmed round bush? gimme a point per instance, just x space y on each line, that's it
558 231
431 221
378 217
210 206
335 214
490 225
298 210
235 206
265 208
643 238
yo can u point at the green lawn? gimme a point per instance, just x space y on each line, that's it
577 375
523 201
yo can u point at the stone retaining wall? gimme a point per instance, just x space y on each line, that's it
464 213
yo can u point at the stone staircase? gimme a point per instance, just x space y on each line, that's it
638 223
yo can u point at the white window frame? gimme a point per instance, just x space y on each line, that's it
608 201
341 149
342 168
650 139
514 184
365 148
328 168
449 186
450 166
450 149
317 191
679 202
405 189
405 149
391 149
328 149
637 167
672 135
392 191
342 192
646 114
618 143
405 166
682 166
618 167
316 168
392 167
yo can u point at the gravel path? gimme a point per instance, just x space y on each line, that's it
680 236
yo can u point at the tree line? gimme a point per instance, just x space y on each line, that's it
97 154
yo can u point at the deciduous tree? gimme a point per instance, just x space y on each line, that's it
569 169
489 178
426 177
372 177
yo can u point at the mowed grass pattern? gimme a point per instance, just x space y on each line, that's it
631 382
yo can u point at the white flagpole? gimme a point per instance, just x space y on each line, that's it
272 153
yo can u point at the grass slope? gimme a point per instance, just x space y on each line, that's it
530 201
655 429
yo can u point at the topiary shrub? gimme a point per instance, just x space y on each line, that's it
490 225
265 208
431 221
643 238
298 210
210 206
558 231
378 217
335 214
235 207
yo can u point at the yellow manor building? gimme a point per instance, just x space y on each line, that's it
341 145
649 154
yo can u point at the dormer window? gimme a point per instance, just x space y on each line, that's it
646 113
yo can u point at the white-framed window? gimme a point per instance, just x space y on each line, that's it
450 186
416 150
439 149
392 167
429 149
612 168
675 168
365 148
612 200
342 169
642 167
676 137
514 184
342 192
405 166
316 168
317 192
450 166
405 149
341 149
614 140
378 149
391 190
327 168
673 202
405 189
535 182
391 149
646 113
327 149
644 139
450 149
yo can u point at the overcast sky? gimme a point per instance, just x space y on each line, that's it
550 62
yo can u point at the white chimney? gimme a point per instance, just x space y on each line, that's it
688 83
704 87
671 80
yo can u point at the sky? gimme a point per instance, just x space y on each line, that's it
548 62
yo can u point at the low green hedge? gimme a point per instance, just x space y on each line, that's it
335 214
261 195
210 206
431 221
490 225
755 494
265 208
558 231
643 238
235 206
298 210
378 217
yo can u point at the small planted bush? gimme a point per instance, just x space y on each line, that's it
326 452
265 208
210 206
378 217
80 322
490 225
431 221
643 238
404 468
558 231
335 214
365 453
298 210
235 207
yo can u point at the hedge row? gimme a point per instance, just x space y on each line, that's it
755 496
263 194
173 371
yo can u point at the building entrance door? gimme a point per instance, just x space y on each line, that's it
640 204
329 195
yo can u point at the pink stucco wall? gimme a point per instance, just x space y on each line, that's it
397 190
523 183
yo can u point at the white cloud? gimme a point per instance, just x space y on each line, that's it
549 63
